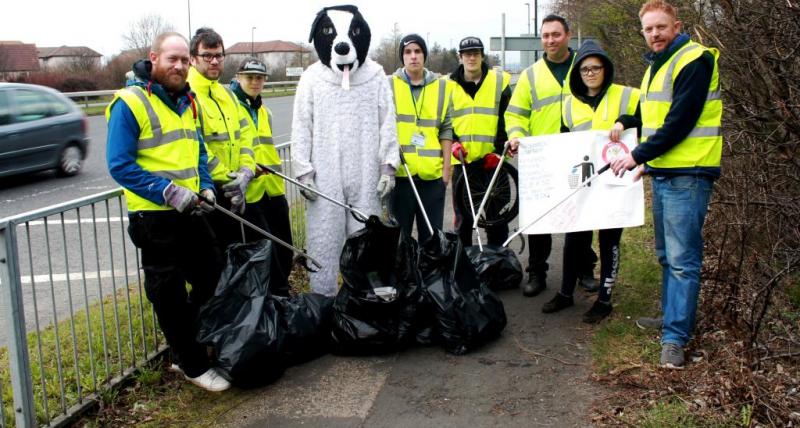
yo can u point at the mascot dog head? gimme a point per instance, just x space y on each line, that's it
341 38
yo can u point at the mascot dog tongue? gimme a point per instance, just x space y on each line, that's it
344 139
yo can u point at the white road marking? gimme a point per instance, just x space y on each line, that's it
74 276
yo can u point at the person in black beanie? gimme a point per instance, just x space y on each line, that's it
424 132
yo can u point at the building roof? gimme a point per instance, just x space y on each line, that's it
265 47
67 51
18 57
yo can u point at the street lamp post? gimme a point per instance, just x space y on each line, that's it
529 17
189 12
252 42
535 25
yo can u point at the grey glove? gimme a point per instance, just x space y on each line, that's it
385 185
179 197
236 188
308 180
202 206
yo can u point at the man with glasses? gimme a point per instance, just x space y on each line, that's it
535 109
681 148
480 99
231 160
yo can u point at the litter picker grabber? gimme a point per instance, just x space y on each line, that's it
488 189
301 255
582 185
416 194
469 196
358 215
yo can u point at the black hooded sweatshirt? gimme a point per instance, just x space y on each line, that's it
581 92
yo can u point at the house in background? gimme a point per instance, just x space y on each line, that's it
61 56
276 54
17 59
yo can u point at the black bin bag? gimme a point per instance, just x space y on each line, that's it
497 266
372 303
468 314
256 335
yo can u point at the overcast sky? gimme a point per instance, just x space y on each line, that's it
100 24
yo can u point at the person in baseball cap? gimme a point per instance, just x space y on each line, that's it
471 43
252 66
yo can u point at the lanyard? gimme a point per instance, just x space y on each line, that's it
414 101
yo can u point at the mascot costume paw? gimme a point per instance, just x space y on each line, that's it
344 139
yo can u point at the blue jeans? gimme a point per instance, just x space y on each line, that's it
680 204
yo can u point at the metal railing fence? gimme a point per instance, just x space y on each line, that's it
72 300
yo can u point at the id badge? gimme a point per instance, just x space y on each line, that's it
418 140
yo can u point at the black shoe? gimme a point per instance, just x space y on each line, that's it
536 284
587 282
597 312
558 303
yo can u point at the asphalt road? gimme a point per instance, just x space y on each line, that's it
72 265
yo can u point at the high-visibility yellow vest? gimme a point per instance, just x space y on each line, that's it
618 99
222 127
265 154
703 146
535 106
168 145
424 161
475 119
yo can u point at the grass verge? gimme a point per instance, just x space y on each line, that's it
68 368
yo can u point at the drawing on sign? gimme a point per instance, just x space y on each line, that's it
613 149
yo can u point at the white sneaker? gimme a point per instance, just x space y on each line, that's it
210 381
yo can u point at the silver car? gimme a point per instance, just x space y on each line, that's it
40 129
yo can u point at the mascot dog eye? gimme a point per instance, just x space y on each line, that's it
341 38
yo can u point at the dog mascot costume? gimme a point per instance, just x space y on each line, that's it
344 140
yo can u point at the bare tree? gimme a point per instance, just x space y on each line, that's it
141 33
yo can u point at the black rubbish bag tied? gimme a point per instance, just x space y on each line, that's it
468 314
254 334
497 266
371 314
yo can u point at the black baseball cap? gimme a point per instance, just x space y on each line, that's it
470 43
252 66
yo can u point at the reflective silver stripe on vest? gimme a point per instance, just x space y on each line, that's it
706 131
431 123
429 153
714 95
626 100
246 151
440 106
498 92
478 110
405 118
169 137
237 134
585 126
520 111
213 164
214 138
665 94
532 81
181 174
476 139
408 148
155 122
519 129
545 102
568 110
263 140
243 123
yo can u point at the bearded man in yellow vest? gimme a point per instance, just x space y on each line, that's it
535 109
155 151
228 140
424 132
681 150
480 98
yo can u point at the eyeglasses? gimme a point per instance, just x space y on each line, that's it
591 70
208 57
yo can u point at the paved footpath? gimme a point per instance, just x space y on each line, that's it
535 374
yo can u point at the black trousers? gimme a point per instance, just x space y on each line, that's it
540 246
574 263
176 249
495 235
275 211
227 230
404 208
